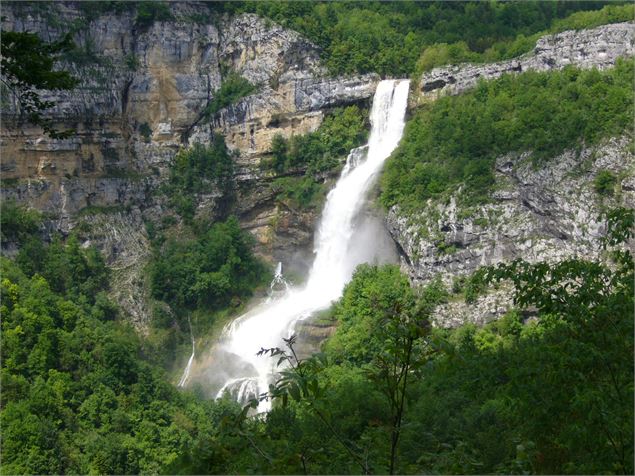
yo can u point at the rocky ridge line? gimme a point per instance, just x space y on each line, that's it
594 48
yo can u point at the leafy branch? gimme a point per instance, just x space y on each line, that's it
26 66
298 380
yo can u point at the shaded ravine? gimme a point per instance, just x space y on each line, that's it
234 368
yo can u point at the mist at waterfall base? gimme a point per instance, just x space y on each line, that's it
348 235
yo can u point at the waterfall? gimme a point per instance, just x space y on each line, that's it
278 283
188 367
245 374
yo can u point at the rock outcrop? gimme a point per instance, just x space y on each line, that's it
538 214
595 48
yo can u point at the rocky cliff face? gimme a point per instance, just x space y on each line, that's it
538 214
597 47
142 94
141 97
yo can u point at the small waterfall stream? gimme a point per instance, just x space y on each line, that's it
244 375
188 367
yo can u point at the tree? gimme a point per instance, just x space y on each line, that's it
27 65
592 302
299 381
391 348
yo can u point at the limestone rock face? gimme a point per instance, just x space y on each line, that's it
595 48
545 214
263 52
549 213
141 96
295 107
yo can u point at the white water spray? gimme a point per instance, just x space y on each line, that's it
266 325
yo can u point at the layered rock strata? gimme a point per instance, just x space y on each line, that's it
142 95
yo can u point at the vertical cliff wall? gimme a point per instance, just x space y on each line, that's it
142 95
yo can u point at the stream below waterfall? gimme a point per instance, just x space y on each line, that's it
234 367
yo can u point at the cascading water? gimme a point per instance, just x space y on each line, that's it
268 323
278 283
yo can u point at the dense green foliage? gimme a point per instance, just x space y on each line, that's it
342 130
202 267
443 53
389 37
551 394
146 13
17 223
232 88
77 394
316 154
455 140
200 169
207 271
149 12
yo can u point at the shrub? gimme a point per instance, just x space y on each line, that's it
207 271
233 88
149 12
17 222
604 183
194 170
145 131
318 152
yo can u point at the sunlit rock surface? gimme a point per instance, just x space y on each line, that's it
548 214
141 97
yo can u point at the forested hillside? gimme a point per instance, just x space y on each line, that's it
395 38
147 199
552 394
455 141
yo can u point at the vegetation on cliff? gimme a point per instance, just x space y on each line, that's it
233 88
441 54
316 154
455 140
389 37
207 271
201 170
27 65
396 38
